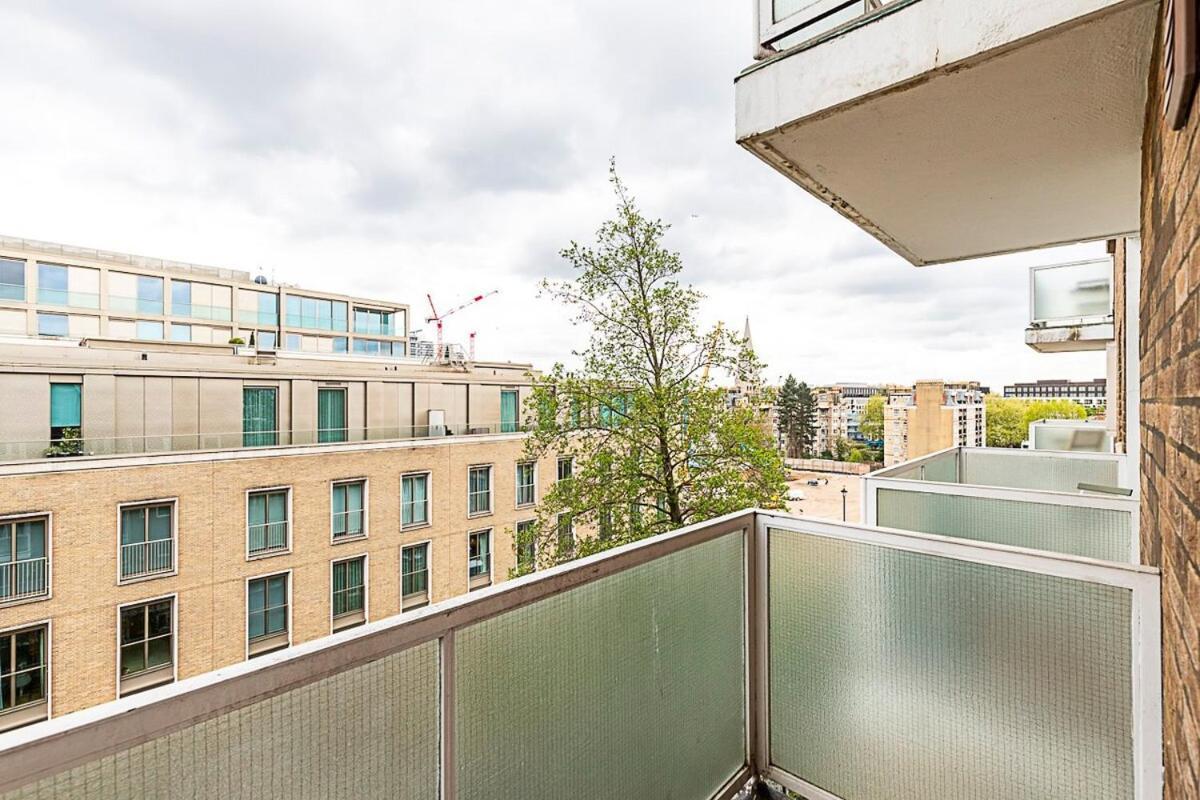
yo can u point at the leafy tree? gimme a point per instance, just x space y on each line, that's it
1054 409
797 409
870 424
654 443
841 449
1008 418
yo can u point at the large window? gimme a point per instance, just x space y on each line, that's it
78 287
136 294
566 466
349 509
349 592
66 412
267 614
259 407
24 688
414 575
267 522
373 321
479 490
258 308
201 300
149 330
52 324
315 313
12 279
479 559
147 540
526 483
378 348
147 645
414 500
526 542
331 415
509 410
24 559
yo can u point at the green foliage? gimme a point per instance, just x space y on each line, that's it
1008 418
797 408
870 425
654 443
841 449
71 444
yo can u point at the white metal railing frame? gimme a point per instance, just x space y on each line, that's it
147 552
275 536
1058 322
33 572
769 31
1070 424
1122 460
61 743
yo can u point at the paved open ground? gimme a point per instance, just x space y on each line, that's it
825 500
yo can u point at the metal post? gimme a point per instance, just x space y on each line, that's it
844 503
758 646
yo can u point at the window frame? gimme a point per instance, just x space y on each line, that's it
49 517
254 556
48 624
246 613
428 593
570 462
518 485
517 544
412 526
477 581
334 538
491 492
173 502
173 597
366 592
345 429
274 389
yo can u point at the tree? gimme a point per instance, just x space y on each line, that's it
797 408
654 443
841 449
870 424
1008 418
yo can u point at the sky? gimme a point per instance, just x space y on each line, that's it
392 150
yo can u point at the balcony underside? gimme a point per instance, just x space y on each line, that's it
951 130
1070 338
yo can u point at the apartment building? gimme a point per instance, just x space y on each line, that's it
1092 394
934 416
839 410
172 503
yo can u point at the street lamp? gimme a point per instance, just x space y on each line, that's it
844 493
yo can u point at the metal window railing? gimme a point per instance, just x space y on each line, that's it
23 579
267 537
785 23
139 559
948 668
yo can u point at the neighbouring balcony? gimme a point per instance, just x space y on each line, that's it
1073 435
1016 124
1072 503
838 661
151 557
24 579
1071 307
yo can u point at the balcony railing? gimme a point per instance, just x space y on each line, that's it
839 661
267 537
24 579
141 559
1070 503
1071 294
237 440
783 23
1075 436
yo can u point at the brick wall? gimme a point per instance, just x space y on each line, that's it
1170 414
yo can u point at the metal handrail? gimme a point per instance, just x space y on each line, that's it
147 558
813 19
267 537
23 579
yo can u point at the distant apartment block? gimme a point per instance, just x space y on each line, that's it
933 416
839 412
1093 393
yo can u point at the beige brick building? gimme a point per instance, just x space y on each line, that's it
933 416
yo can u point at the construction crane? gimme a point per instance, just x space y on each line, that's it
436 318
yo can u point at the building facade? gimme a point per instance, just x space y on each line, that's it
839 413
170 505
1092 394
934 416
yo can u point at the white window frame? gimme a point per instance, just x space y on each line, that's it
366 587
517 484
41 598
268 553
246 610
174 503
558 467
477 582
366 513
428 544
48 624
491 494
174 598
412 526
517 543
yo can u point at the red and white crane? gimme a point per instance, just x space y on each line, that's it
437 318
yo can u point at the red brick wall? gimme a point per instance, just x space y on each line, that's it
1170 416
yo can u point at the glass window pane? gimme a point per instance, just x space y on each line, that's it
277 507
66 405
181 333
158 652
12 279
133 525
133 624
29 687
149 330
133 658
28 648
159 518
256 624
258 594
276 620
159 617
276 591
52 324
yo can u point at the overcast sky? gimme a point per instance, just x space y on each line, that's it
394 149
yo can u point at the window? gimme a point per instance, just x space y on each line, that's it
267 614
509 410
267 521
566 466
181 332
526 541
349 509
181 298
526 483
258 416
201 300
147 649
414 575
605 524
52 324
149 295
479 491
52 284
566 534
66 412
60 285
149 330
331 415
258 308
12 279
24 561
349 597
372 321
24 657
479 558
414 500
376 348
293 342
147 540
312 312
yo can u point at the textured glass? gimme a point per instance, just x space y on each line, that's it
371 732
1081 438
1100 533
629 687
1072 291
902 676
1025 470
